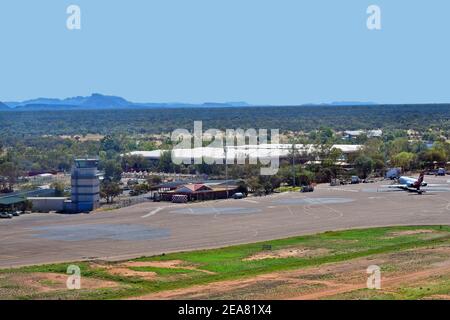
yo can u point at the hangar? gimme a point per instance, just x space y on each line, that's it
17 200
242 151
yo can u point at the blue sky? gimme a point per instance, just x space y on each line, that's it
259 51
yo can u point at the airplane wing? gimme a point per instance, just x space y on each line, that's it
401 186
393 187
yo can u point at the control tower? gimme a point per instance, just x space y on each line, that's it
85 186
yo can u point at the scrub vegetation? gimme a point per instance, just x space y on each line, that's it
181 271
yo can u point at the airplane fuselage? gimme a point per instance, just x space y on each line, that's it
411 182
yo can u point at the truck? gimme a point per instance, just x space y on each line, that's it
393 173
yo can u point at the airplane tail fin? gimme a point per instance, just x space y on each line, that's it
420 180
421 177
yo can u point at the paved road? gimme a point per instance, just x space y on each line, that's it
155 228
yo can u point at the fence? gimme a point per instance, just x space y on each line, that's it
128 202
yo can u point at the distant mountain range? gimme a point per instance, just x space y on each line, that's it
343 103
99 101
3 106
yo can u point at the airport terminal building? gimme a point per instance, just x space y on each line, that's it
198 190
261 151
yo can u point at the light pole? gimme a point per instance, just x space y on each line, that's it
293 165
226 170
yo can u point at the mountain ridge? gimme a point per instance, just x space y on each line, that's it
3 106
100 101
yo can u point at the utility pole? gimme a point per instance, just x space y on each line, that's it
226 170
293 165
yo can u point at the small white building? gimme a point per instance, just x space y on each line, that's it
353 134
47 204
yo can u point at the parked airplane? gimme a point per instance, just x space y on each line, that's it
411 184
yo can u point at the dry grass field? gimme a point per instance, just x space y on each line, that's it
414 262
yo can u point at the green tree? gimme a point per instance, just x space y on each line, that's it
109 190
330 160
325 135
306 177
397 146
364 166
59 188
153 180
165 162
254 184
403 160
242 187
431 156
112 170
139 188
9 172
135 162
109 143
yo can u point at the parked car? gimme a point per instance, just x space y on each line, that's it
355 180
440 172
309 188
238 195
5 215
335 182
156 197
15 213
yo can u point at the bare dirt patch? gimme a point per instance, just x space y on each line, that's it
287 253
125 269
46 282
410 232
293 283
326 281
120 270
169 264
439 297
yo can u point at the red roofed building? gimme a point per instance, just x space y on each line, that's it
199 191
190 188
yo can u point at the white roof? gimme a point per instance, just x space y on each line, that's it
155 154
375 133
370 133
44 175
243 151
354 132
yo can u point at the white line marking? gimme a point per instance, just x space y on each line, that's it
251 201
340 189
153 212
